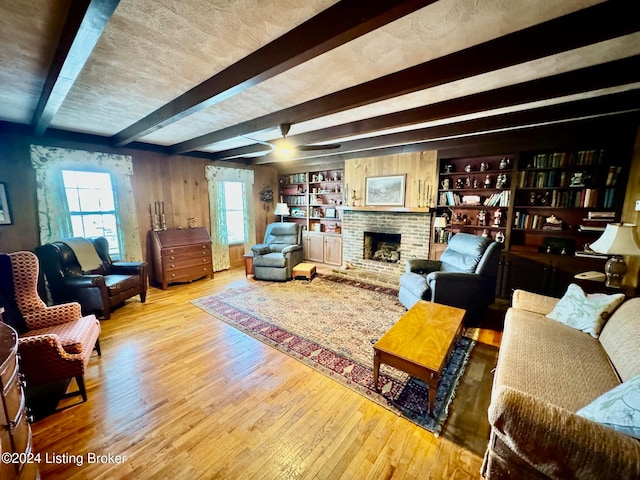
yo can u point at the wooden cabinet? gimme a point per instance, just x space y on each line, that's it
323 248
547 274
180 255
15 430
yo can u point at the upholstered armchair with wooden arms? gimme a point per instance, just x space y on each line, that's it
55 343
99 287
464 277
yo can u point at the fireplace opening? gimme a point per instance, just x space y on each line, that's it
383 247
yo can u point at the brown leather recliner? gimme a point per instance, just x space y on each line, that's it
97 291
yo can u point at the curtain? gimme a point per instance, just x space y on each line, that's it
216 176
53 217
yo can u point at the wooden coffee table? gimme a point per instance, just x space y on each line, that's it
420 343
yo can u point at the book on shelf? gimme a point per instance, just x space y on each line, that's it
591 228
590 254
601 215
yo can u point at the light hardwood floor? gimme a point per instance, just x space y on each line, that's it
180 394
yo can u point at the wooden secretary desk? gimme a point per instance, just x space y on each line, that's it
180 255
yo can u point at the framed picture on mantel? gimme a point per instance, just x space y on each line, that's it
5 211
385 191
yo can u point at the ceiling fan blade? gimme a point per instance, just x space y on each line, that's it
262 142
310 148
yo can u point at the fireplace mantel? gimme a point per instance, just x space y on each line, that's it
386 209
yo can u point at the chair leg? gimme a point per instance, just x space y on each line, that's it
81 387
96 347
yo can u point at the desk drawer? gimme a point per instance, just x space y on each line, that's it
186 251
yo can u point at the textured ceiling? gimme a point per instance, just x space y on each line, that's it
149 52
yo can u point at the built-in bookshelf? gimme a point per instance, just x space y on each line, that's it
313 199
526 197
570 193
475 196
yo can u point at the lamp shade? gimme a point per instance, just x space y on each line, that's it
281 209
618 239
440 222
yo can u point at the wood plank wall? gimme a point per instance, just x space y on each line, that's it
177 180
417 166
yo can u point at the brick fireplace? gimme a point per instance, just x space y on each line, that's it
412 227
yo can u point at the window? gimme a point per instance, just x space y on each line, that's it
234 206
91 206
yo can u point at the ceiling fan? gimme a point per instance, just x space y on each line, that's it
281 145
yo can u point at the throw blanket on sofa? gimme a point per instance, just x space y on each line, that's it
85 253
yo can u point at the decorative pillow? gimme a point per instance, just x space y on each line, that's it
619 408
585 312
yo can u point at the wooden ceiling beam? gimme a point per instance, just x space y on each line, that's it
335 26
613 19
83 28
612 104
611 74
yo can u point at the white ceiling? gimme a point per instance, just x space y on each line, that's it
149 52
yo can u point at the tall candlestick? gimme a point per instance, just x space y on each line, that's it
162 207
418 187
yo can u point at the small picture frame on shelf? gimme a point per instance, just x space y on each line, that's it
5 210
385 191
329 213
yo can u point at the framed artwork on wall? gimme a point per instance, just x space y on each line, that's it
385 191
5 210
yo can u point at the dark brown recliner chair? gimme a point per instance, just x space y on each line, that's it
97 291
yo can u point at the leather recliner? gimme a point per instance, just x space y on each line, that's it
281 250
98 290
464 277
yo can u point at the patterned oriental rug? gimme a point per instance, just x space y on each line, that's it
331 324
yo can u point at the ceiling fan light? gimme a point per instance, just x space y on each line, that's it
284 149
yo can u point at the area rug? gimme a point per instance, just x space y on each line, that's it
331 324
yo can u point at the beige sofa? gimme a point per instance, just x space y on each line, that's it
546 372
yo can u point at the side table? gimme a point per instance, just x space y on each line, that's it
593 284
248 264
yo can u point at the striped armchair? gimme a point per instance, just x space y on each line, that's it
55 343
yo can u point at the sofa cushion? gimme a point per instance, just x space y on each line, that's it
414 283
585 312
550 360
619 338
463 253
121 283
618 408
77 336
274 260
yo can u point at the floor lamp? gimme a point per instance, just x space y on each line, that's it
282 209
618 239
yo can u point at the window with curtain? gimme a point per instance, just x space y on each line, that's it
54 212
235 212
92 207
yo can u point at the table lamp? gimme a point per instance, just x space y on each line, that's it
282 209
439 223
618 239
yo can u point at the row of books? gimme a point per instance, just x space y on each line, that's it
583 198
295 199
450 199
544 179
596 221
498 199
534 222
567 159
